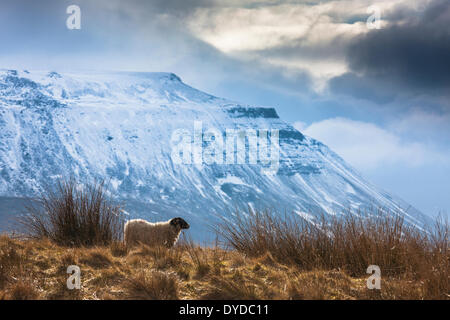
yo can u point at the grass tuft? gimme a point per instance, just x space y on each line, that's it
155 285
74 215
22 291
350 243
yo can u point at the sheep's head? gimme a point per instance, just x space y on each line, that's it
179 223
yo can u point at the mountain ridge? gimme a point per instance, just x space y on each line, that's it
120 126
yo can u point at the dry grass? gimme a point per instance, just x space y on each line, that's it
206 260
22 291
284 265
118 249
155 285
37 270
97 258
74 215
350 243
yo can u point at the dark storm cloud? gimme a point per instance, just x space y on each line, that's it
411 57
153 35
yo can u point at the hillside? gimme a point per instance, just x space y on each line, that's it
37 270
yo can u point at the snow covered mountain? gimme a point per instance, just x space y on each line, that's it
124 126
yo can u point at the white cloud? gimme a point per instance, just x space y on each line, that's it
296 35
427 125
367 146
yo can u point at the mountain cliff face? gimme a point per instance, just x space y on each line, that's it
163 145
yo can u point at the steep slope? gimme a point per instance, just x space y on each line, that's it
126 127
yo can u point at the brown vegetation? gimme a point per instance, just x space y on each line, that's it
262 256
74 215
350 243
256 268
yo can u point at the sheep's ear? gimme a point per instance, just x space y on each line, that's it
174 222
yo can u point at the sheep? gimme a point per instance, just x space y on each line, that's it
163 233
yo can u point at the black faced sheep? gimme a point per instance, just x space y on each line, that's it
164 233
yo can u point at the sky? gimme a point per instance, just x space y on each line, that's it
371 79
